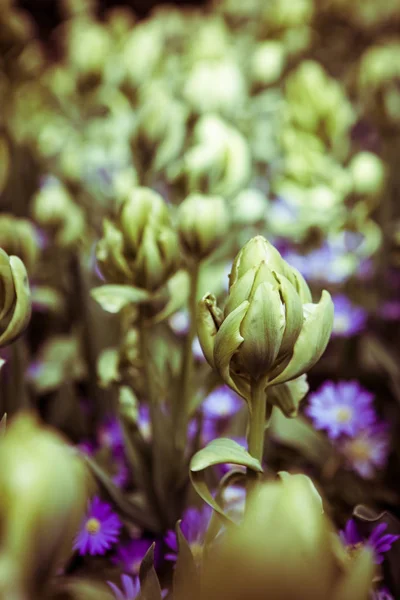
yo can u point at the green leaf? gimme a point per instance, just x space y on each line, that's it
128 508
149 584
186 576
218 452
178 291
113 298
3 424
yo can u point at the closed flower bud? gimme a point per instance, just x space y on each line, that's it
285 547
42 499
368 173
202 224
271 331
268 62
15 298
143 251
20 238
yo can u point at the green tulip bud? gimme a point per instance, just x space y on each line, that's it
19 237
202 224
15 298
302 558
268 62
143 208
271 331
42 501
144 250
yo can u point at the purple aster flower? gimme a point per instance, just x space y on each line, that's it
194 525
368 450
179 322
221 403
349 319
100 529
342 408
131 554
143 422
110 435
378 541
130 588
121 475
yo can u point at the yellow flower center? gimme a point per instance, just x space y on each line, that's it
197 551
344 415
93 526
359 450
353 550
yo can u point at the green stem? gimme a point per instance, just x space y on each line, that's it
256 434
183 407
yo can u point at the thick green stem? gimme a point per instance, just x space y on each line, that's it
256 431
183 406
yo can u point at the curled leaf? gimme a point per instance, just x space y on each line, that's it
113 298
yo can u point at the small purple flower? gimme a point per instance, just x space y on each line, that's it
378 541
143 422
349 319
99 530
121 475
342 408
131 554
110 435
368 450
382 594
221 403
194 525
130 588
179 322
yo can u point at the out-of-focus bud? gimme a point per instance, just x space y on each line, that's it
268 62
368 173
271 330
42 500
161 124
317 103
202 224
142 53
220 161
88 46
15 297
379 73
143 251
249 207
283 13
215 86
55 211
19 237
285 547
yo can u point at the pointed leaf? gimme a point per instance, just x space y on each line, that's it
149 584
186 576
113 298
178 291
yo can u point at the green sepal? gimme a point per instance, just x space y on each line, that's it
113 298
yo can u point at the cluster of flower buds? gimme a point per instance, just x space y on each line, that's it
43 494
270 330
15 297
143 249
299 558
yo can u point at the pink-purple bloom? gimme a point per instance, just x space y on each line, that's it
130 555
110 435
368 451
379 541
349 319
194 525
342 408
323 264
130 588
100 529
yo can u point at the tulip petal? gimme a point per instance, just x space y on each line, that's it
293 313
313 339
227 342
23 304
207 327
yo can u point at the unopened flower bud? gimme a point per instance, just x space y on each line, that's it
271 331
202 224
285 547
268 62
15 298
42 500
